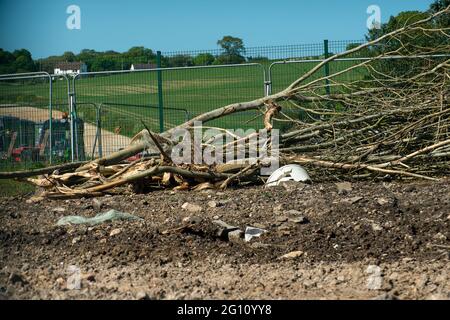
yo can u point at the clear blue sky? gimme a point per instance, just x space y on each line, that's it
40 25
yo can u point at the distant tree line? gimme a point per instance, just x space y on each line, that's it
17 61
102 61
232 52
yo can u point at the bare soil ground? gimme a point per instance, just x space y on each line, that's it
376 241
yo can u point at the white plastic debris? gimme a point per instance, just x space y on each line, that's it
111 215
251 232
291 172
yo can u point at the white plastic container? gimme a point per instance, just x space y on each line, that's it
291 172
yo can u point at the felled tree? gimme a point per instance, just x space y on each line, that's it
387 123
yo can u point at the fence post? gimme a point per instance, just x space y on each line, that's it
327 66
72 129
160 92
99 131
50 127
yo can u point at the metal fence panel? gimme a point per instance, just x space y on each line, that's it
199 90
122 99
264 53
125 98
25 129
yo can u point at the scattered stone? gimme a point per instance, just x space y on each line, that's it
224 228
385 296
221 203
87 206
292 213
291 255
223 224
97 204
14 215
259 245
142 295
213 204
25 267
191 207
344 187
115 232
410 188
58 210
236 235
278 209
192 220
102 241
299 220
389 224
376 227
448 217
352 200
76 239
90 278
284 227
259 225
60 283
382 201
440 237
251 232
407 260
16 278
282 219
422 282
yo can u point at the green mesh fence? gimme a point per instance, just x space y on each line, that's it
24 112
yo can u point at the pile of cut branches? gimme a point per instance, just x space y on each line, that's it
393 121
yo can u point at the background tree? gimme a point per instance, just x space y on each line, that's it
233 50
232 45
142 53
439 5
69 56
204 59
421 38
395 22
105 64
6 62
414 42
361 53
16 62
180 60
